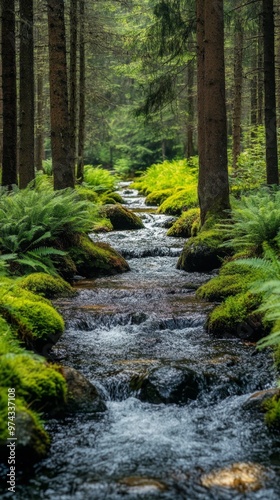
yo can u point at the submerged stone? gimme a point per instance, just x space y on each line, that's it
143 484
170 385
82 395
239 476
121 218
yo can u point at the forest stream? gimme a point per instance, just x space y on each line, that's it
168 442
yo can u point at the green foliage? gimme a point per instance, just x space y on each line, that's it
48 286
87 194
47 167
99 179
203 252
184 224
180 201
272 409
255 219
111 198
121 218
31 221
233 313
158 197
168 175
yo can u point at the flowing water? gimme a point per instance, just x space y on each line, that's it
121 328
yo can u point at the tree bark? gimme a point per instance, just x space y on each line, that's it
190 110
260 74
26 118
270 94
9 165
213 187
237 98
60 129
73 78
82 76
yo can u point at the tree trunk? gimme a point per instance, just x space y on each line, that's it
237 98
270 95
260 75
190 110
60 129
213 187
9 165
26 118
81 134
73 77
39 142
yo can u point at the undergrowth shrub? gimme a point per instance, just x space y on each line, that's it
99 179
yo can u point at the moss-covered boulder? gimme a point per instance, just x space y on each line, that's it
48 286
271 406
94 259
158 197
102 225
182 227
32 443
37 323
237 316
203 252
181 200
233 278
121 218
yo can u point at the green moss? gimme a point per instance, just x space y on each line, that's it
233 279
94 259
112 197
158 197
180 201
38 324
237 316
87 194
121 218
183 226
203 252
102 225
48 286
272 411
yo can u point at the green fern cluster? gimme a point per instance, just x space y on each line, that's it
255 219
32 220
99 179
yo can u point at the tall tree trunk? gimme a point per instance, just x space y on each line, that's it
190 110
39 142
9 165
213 187
60 129
260 74
253 88
73 77
81 133
270 96
237 98
26 117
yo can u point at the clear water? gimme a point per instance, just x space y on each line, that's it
118 330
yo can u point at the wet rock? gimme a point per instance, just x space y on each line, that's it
121 218
203 252
143 485
256 400
239 476
82 395
170 385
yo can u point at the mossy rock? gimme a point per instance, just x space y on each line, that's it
94 259
87 194
37 323
111 198
272 411
48 286
39 383
233 279
203 252
180 201
182 228
237 316
158 197
32 442
121 218
102 225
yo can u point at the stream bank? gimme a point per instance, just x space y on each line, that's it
135 336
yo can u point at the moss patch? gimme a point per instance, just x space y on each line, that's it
272 411
48 286
203 252
121 218
182 227
158 197
111 198
180 201
237 317
94 259
233 279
